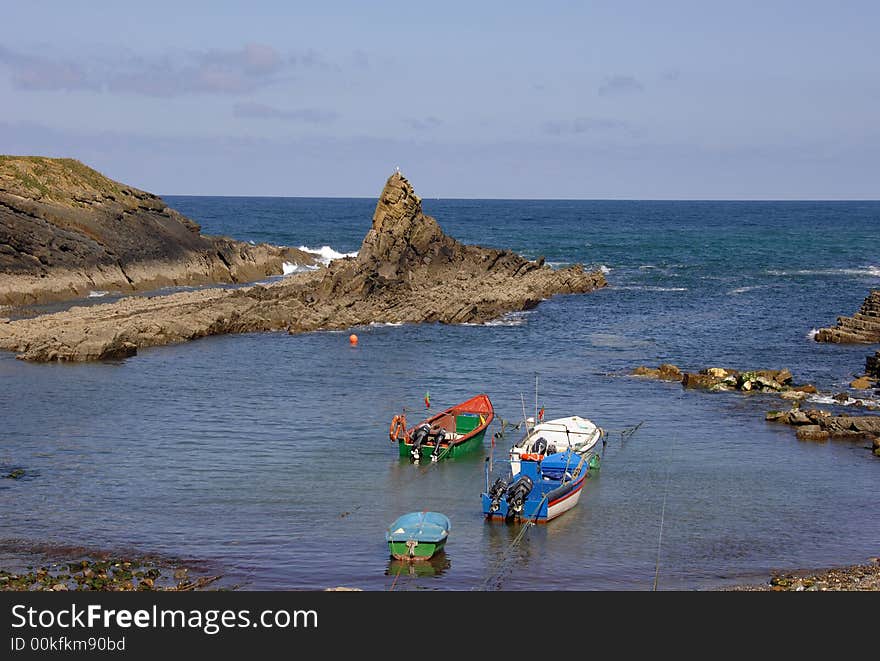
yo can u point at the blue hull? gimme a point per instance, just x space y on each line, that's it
556 487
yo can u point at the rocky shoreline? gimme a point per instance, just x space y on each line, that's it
58 568
864 577
810 424
407 271
66 231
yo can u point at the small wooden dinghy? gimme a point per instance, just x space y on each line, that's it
417 535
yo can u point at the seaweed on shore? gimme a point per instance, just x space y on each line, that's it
72 568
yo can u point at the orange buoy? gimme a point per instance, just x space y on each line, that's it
352 339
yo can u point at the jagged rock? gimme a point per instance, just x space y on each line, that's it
863 326
66 230
717 372
798 417
872 366
706 381
666 372
407 271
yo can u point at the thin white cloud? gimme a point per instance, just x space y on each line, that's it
262 111
234 71
614 85
580 125
423 123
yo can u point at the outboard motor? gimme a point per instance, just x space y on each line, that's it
540 445
496 493
420 435
438 438
517 493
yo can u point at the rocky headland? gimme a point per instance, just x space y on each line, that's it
407 271
67 230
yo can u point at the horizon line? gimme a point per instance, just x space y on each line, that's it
540 199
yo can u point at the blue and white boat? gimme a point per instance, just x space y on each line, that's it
417 535
541 490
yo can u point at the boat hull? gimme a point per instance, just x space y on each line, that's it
416 552
455 450
538 509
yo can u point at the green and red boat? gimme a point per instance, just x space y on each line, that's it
450 433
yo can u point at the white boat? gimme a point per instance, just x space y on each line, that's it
552 436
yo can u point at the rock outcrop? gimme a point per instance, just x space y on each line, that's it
66 230
862 327
721 379
819 425
872 366
407 270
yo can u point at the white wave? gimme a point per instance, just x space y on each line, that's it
869 270
651 288
556 265
509 319
645 267
604 269
98 293
289 268
812 334
386 323
326 254
828 399
743 290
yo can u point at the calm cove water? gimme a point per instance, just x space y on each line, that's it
268 454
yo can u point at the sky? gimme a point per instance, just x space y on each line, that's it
479 99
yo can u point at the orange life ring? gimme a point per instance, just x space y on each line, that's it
398 427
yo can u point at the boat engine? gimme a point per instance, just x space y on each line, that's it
438 439
420 435
517 493
540 445
496 493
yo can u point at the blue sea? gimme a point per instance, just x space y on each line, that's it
267 455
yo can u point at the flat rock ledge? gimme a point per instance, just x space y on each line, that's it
407 271
820 425
862 327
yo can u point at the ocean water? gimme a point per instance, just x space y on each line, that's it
268 454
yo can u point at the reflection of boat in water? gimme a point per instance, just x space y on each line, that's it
435 566
447 434
552 436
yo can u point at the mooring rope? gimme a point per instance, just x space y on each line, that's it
663 514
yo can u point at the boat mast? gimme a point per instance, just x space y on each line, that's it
536 398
